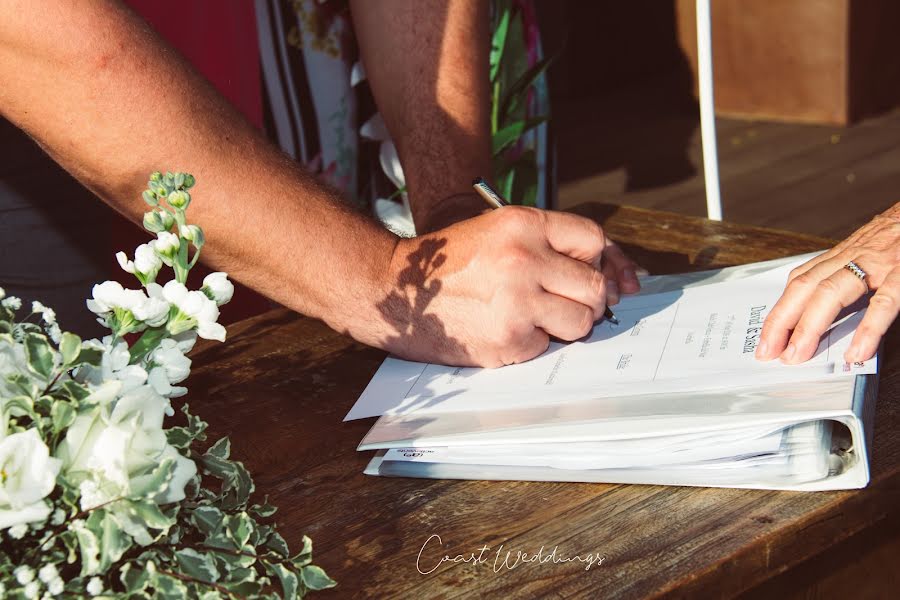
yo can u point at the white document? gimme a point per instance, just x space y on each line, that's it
691 339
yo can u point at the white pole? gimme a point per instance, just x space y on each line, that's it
708 111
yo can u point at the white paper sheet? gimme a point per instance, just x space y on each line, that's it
696 338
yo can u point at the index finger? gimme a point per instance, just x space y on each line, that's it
574 236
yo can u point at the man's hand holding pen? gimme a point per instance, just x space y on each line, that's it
544 280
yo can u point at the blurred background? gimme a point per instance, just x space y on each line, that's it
806 99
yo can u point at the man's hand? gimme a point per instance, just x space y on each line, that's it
490 291
819 289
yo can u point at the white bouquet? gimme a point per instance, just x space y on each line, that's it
97 497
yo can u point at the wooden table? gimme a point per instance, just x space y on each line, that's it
282 383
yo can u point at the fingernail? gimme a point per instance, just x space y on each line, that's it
762 350
789 352
642 271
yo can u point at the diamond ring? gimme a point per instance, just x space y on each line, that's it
860 274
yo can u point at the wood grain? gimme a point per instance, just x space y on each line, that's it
282 383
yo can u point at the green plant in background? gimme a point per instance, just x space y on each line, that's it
512 80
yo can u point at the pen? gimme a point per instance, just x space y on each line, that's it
495 201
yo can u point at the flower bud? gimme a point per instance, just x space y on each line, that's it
153 222
179 199
158 188
217 288
193 234
150 198
166 246
189 181
156 176
167 219
178 180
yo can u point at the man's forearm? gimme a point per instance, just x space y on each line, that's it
129 105
427 63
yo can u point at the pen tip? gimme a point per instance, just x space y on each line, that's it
477 180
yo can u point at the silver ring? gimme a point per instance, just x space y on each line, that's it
860 274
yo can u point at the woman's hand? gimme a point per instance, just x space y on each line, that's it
819 289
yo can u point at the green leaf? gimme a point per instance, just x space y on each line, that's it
156 482
89 356
180 437
277 543
208 519
304 557
197 565
169 588
247 589
20 406
511 134
26 384
518 91
62 414
39 354
221 449
240 527
73 390
148 342
287 578
498 43
89 546
150 514
218 467
69 347
113 541
264 510
315 578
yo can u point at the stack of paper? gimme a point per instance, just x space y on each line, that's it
672 395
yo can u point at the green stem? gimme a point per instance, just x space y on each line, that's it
495 108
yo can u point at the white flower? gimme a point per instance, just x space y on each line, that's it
27 476
48 573
152 311
55 332
175 364
17 532
11 302
166 246
56 586
32 590
2 293
59 515
160 383
24 574
110 452
218 288
146 263
95 586
195 310
110 295
113 367
48 314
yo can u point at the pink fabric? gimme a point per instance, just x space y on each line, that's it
218 37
